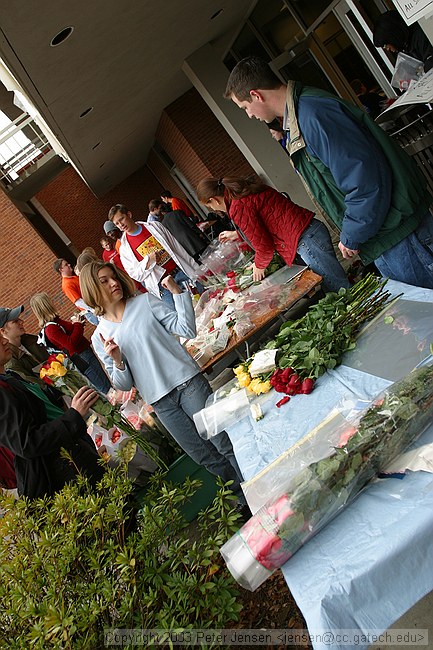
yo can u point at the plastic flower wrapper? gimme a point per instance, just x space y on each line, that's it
223 257
321 489
230 403
256 385
59 371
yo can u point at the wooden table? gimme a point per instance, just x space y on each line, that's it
302 286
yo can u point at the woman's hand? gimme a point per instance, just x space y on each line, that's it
112 349
168 283
84 399
258 274
228 235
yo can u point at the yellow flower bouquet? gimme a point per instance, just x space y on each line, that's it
59 371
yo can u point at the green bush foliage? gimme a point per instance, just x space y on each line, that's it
82 561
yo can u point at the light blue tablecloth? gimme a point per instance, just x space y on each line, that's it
375 560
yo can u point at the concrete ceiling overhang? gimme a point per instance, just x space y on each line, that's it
123 60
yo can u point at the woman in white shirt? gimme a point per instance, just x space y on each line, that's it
136 342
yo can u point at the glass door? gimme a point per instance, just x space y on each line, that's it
358 22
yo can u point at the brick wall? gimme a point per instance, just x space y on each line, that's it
197 143
81 215
26 265
190 134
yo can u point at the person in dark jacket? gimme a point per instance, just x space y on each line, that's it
358 177
271 222
391 32
26 353
35 430
181 227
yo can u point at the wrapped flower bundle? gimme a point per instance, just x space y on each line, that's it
59 371
252 384
320 490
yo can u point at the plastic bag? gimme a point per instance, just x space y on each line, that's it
406 69
214 418
404 325
221 257
310 498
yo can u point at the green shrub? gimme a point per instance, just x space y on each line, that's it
79 562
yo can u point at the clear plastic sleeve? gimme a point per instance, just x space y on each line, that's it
320 489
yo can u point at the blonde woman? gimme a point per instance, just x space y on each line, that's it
62 335
135 342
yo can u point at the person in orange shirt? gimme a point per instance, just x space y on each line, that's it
71 288
177 204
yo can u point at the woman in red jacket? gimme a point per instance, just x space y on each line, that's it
64 336
272 222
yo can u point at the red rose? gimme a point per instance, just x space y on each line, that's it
307 386
275 377
286 374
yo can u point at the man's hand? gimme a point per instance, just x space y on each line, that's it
258 274
347 253
112 349
83 399
151 259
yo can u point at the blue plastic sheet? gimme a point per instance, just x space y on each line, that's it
374 561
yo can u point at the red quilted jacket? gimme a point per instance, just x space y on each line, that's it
272 223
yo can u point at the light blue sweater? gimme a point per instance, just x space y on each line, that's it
155 361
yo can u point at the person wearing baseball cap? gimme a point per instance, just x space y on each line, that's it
113 232
34 430
26 353
8 315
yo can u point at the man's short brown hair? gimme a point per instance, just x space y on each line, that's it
58 264
251 73
154 204
115 209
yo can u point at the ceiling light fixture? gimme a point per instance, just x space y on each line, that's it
61 36
216 14
87 111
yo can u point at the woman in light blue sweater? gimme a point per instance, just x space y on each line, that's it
135 340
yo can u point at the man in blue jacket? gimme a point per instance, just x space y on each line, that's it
355 174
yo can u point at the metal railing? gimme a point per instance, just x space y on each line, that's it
23 148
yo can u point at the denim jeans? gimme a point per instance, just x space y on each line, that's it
411 260
179 277
316 249
176 410
94 372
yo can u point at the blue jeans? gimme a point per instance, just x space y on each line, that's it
179 277
316 249
176 410
411 260
94 372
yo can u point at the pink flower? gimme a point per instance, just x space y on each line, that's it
280 509
346 436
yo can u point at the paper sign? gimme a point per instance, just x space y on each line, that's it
414 9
